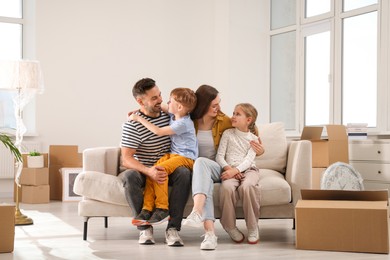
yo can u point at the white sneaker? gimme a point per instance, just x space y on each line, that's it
209 242
172 237
253 236
146 237
236 235
193 220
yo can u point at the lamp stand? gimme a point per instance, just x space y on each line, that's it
20 219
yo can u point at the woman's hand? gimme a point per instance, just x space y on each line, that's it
257 146
134 117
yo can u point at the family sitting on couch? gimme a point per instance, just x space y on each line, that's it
185 144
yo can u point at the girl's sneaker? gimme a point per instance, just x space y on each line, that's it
253 236
236 235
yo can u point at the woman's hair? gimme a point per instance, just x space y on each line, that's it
186 97
250 111
205 94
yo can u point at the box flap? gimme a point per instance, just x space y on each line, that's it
337 132
312 133
65 155
377 195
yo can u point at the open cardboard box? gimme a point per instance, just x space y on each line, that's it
340 220
327 151
61 156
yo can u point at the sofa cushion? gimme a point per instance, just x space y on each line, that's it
274 142
274 189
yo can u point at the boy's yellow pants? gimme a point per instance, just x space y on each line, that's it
155 194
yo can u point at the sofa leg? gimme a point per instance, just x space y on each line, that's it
106 222
293 224
85 228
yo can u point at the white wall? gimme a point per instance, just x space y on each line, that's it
93 51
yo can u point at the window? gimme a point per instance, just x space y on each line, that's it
14 46
332 75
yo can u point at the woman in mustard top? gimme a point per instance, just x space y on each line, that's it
210 122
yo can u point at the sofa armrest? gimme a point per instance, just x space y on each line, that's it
102 159
299 164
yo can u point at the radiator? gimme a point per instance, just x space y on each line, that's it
7 160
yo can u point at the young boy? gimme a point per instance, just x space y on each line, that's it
184 150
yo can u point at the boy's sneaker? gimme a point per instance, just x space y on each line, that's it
172 237
236 235
146 237
253 236
209 242
159 216
193 220
142 218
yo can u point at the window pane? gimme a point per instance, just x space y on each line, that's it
317 7
11 8
7 112
317 64
283 60
11 41
354 4
360 69
282 13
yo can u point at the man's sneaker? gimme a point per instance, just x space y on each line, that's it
253 236
193 220
159 216
146 237
172 237
142 218
236 235
209 242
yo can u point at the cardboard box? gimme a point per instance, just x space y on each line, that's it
61 156
330 150
35 194
34 176
316 175
340 220
7 228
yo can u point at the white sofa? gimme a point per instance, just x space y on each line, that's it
285 170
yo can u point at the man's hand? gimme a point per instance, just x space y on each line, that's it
158 174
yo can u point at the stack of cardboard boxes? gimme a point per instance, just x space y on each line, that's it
40 185
326 151
34 182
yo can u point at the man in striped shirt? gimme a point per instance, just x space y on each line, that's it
140 150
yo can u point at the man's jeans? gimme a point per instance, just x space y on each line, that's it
180 182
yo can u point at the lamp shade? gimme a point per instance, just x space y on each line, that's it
21 75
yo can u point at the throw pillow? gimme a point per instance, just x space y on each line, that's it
274 142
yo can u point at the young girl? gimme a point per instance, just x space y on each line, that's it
240 176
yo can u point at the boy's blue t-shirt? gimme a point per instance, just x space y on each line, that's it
184 141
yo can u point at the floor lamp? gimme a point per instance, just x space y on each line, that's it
25 78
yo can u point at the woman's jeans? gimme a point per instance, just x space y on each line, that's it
205 173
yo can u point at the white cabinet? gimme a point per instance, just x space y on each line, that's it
371 158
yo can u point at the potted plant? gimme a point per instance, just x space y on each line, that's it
7 142
35 160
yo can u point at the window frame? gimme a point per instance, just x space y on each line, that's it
336 16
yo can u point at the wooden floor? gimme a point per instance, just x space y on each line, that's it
57 234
